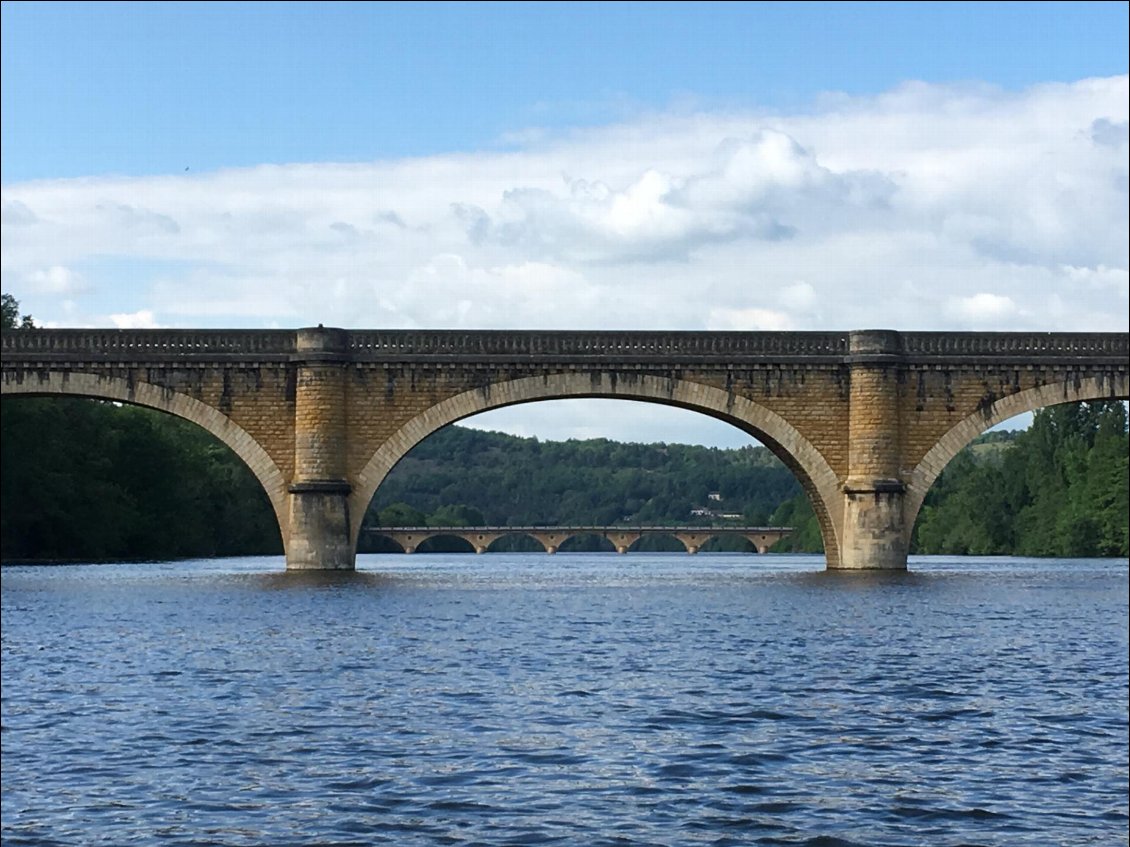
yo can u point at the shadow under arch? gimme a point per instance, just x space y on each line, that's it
806 462
451 539
582 542
115 389
963 433
666 539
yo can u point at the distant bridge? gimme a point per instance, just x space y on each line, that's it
552 537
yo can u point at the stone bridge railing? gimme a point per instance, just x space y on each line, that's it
559 346
1033 345
145 344
666 346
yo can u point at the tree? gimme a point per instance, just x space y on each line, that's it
457 515
10 314
401 514
9 311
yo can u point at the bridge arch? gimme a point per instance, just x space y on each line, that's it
671 538
445 533
966 431
115 389
810 467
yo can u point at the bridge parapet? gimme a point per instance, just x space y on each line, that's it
384 345
392 345
142 345
1019 344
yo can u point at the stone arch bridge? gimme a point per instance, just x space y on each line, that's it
552 537
865 419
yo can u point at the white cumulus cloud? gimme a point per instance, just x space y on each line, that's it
982 308
925 207
143 319
55 280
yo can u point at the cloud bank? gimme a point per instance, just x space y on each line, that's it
926 207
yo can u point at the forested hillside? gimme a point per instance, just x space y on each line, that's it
524 481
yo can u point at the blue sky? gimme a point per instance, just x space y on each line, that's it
750 166
142 88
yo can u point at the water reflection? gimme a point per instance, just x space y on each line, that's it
322 580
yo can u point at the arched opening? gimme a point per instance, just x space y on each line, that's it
571 473
587 542
727 544
86 476
445 543
518 542
1058 487
657 542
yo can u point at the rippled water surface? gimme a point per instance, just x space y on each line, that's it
576 699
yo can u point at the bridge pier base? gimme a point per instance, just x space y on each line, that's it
874 536
319 527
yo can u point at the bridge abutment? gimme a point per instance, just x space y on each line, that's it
874 536
319 529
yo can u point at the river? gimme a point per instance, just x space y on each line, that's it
577 699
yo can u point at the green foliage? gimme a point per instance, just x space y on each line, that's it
10 314
458 515
513 481
89 480
401 514
1060 489
526 482
805 538
9 311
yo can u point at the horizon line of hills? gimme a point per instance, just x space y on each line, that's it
84 480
